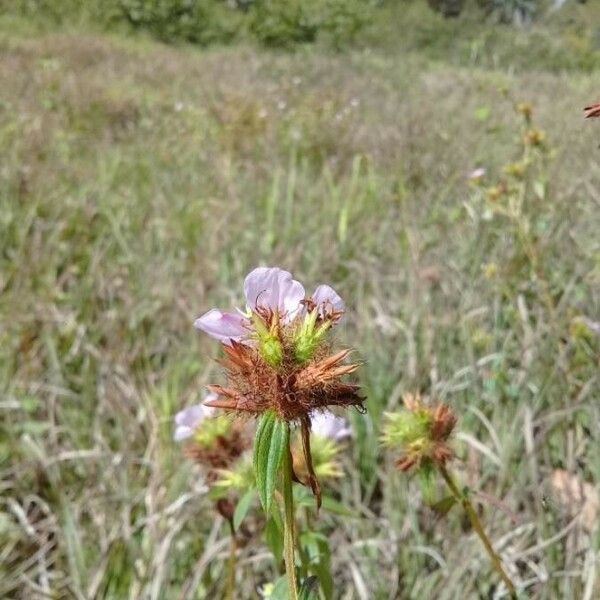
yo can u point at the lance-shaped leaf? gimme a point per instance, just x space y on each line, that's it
242 508
270 443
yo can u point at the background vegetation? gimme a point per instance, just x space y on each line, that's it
140 182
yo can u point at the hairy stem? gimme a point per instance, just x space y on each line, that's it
230 592
478 527
289 535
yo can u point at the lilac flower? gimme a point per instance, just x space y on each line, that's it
273 289
223 326
328 425
267 289
189 419
327 300
477 174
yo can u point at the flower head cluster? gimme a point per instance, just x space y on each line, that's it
276 352
214 441
421 432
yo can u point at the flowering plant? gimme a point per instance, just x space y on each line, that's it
280 367
422 434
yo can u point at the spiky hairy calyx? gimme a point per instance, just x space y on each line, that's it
290 370
267 330
292 390
421 432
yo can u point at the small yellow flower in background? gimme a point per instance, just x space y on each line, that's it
496 192
525 109
490 270
535 137
516 169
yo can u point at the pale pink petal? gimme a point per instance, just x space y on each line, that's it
478 173
189 419
327 300
328 425
275 289
224 326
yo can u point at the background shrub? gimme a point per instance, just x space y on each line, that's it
282 23
196 21
274 23
448 8
518 12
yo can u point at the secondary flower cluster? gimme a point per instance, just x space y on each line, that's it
421 432
276 352
214 441
217 442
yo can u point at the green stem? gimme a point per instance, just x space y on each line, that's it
230 593
288 504
478 527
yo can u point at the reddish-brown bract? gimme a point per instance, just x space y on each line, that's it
592 111
293 391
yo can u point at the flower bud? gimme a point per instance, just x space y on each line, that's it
309 336
269 344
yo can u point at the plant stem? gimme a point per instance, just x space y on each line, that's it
230 593
289 535
478 527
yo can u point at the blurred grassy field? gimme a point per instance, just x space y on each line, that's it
139 183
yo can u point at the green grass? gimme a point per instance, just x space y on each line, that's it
139 183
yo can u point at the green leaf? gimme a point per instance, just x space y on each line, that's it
443 507
269 444
303 497
309 542
323 569
309 589
333 506
279 590
274 539
242 508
